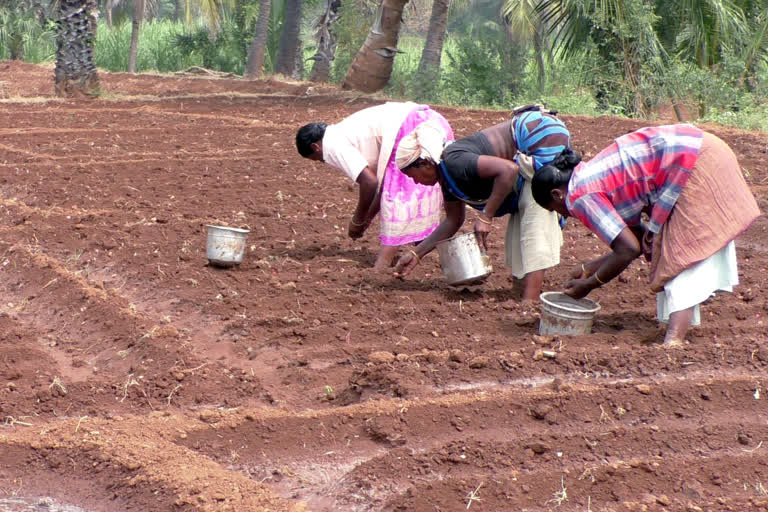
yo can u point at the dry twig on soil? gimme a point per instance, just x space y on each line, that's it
128 383
561 496
11 421
78 423
171 394
472 496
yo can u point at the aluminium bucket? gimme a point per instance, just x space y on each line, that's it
225 246
462 260
561 314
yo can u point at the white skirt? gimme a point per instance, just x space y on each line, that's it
696 284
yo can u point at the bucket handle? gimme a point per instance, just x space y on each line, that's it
483 252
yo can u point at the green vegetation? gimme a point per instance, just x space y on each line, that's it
24 37
159 49
709 58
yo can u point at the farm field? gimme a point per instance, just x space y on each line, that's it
135 377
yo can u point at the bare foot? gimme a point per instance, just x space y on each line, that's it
654 336
386 257
672 343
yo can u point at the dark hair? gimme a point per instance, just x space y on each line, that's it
419 161
553 175
308 135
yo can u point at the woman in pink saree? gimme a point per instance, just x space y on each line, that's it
367 146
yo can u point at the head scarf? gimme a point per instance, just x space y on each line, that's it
425 141
539 138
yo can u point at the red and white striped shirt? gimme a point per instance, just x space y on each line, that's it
643 171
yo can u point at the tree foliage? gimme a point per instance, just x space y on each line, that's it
624 56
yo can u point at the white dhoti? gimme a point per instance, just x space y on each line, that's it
533 238
696 284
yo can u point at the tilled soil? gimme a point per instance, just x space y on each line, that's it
133 376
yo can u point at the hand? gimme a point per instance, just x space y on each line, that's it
580 272
647 245
482 228
406 264
578 288
356 230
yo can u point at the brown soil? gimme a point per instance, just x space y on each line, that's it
135 377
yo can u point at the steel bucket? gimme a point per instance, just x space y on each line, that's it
462 260
226 246
562 314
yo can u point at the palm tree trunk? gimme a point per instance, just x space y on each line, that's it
255 62
632 78
138 15
16 46
108 5
372 66
429 65
538 47
297 73
289 48
40 13
326 42
75 73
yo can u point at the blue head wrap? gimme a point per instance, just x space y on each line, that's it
533 143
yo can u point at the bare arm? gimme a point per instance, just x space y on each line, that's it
504 174
454 218
626 247
369 185
367 206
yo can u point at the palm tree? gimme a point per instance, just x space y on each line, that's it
326 41
428 71
372 66
756 47
255 61
705 27
179 9
528 28
623 31
209 9
138 16
289 60
16 23
109 5
75 73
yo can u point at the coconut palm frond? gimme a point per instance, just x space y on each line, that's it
709 26
566 20
521 18
757 46
211 11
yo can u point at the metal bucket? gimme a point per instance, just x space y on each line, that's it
226 246
561 314
462 260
